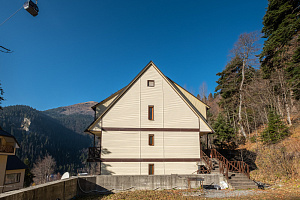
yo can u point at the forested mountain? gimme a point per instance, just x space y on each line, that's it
75 117
39 134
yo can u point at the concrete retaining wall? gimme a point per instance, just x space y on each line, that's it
116 183
63 189
69 188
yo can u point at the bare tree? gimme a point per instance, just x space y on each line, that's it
43 168
245 49
203 91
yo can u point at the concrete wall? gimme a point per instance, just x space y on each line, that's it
69 188
63 189
117 183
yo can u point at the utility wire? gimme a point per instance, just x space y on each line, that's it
11 16
6 50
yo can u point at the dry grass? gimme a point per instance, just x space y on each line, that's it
289 190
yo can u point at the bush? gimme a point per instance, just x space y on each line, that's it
276 129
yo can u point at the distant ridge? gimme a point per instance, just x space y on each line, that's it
80 108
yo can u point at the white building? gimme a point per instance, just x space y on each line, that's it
150 127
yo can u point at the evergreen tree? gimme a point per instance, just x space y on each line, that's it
224 133
1 95
276 129
28 179
281 49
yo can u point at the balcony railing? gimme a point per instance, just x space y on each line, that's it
6 149
94 154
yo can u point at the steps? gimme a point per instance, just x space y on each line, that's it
236 179
241 181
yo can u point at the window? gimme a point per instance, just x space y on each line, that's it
12 178
151 140
150 83
151 112
151 169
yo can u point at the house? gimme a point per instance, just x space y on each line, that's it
150 127
12 169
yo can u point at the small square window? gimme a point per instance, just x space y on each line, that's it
151 112
151 169
150 83
151 140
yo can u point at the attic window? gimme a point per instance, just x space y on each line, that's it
150 83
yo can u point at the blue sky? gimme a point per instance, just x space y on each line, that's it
78 51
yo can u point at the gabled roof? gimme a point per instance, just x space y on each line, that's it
177 85
121 92
13 162
108 98
6 134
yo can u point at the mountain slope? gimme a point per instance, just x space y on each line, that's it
39 134
76 117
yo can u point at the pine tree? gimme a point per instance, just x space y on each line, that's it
1 96
281 49
224 133
276 129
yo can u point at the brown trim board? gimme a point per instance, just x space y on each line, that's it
150 159
151 129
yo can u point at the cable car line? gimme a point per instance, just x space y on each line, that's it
11 16
7 50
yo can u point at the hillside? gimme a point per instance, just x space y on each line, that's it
39 134
76 117
80 108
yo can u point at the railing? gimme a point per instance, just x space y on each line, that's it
242 167
94 154
208 163
232 166
6 149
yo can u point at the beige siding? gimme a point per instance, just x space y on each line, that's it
170 111
204 127
177 114
102 107
18 185
3 161
121 144
126 112
159 168
182 145
198 104
156 151
152 96
180 167
123 168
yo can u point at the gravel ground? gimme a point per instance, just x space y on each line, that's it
209 193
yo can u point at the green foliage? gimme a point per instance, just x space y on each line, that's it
253 139
1 95
224 133
230 80
281 27
276 129
28 179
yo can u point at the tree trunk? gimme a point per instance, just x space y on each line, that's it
242 131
